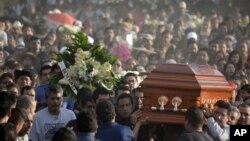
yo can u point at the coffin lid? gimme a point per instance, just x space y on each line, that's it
184 76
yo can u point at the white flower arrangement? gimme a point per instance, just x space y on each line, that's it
87 69
85 65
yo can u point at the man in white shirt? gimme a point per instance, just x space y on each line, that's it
48 120
218 123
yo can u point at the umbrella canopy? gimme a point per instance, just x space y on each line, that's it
61 18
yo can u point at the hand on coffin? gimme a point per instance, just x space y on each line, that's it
142 120
135 116
208 112
137 119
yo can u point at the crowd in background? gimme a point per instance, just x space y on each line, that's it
142 34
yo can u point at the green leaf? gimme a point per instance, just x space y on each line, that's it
79 40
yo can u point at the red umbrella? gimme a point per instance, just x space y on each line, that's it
61 18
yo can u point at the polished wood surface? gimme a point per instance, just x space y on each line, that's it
195 85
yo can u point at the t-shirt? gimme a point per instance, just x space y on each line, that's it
40 93
114 132
45 125
24 138
195 136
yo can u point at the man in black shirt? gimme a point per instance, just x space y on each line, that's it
194 121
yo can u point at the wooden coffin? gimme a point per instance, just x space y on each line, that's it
194 85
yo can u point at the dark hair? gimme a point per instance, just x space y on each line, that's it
32 39
19 73
128 19
223 24
28 26
123 96
191 41
5 75
195 117
245 87
135 68
64 134
25 88
244 105
105 111
204 49
11 63
213 42
131 74
108 28
239 64
86 122
141 53
6 101
8 132
225 105
242 29
246 98
45 67
225 67
54 88
124 86
86 98
101 90
17 115
11 85
55 68
138 89
82 92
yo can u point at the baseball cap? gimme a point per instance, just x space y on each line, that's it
192 35
17 24
182 4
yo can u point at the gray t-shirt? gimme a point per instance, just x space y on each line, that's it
45 125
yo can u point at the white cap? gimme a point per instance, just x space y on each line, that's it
17 24
77 23
170 61
192 35
183 4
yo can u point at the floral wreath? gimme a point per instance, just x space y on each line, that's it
84 65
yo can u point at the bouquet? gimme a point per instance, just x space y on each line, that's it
85 65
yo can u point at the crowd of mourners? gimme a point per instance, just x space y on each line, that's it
142 34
